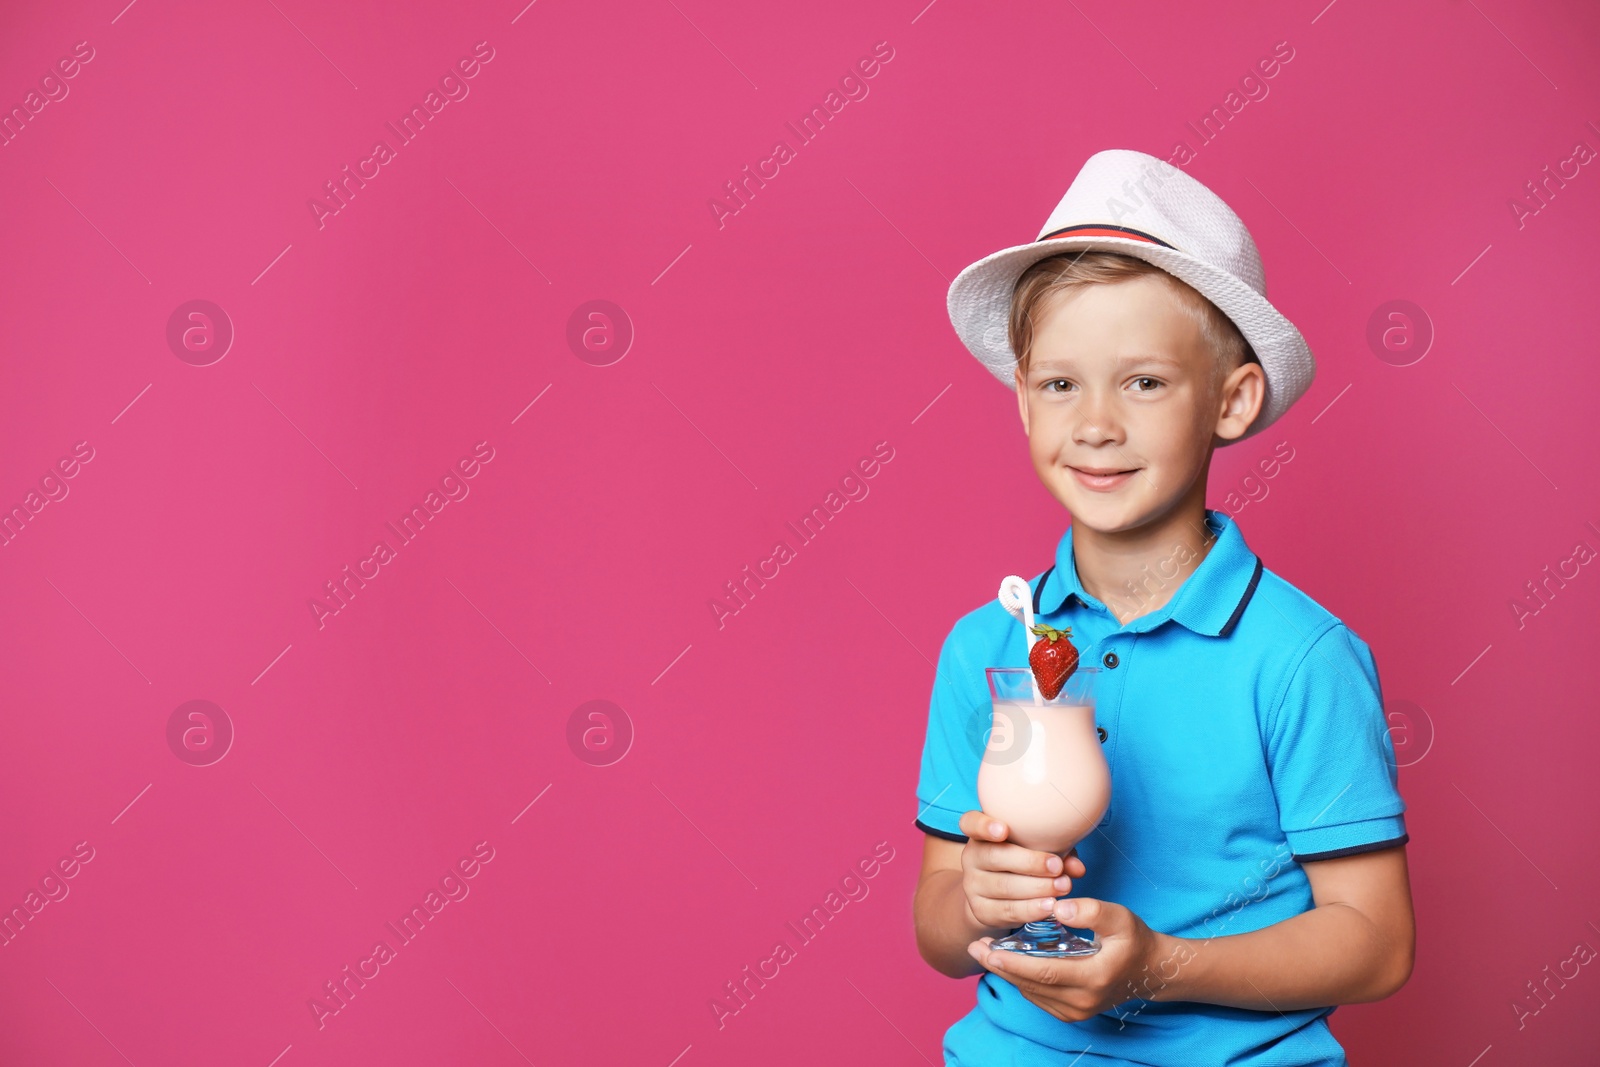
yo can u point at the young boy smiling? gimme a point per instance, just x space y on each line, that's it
1250 873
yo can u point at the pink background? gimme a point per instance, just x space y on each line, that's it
771 354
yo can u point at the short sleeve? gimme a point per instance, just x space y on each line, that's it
958 720
1330 754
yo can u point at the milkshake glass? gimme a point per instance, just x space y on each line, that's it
1045 776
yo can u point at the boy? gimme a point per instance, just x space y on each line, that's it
1250 872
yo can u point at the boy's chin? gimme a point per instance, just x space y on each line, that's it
1103 513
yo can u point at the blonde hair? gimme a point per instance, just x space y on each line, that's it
1056 275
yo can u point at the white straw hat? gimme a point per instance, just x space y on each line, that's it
1136 204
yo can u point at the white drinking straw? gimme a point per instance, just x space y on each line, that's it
1017 598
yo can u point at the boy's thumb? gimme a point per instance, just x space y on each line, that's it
976 824
1086 913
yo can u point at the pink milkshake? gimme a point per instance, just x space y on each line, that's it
1045 776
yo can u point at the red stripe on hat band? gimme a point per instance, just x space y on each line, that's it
1103 230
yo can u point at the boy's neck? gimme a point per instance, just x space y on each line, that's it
1135 572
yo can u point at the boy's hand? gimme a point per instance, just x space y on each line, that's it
1005 884
1074 989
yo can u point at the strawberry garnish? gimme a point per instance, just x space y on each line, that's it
1053 659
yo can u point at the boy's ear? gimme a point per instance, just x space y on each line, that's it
1022 398
1243 393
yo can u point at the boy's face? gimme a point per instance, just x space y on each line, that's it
1120 379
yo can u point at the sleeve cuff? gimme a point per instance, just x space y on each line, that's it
940 822
936 832
1347 839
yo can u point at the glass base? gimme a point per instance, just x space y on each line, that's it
1048 939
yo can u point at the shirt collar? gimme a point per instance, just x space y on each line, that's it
1209 601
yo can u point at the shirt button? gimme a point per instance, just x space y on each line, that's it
1111 660
1101 730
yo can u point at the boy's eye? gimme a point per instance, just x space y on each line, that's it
1061 385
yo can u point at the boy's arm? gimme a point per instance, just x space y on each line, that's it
1356 945
945 925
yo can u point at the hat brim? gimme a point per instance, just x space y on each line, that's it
979 302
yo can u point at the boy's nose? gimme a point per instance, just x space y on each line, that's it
1096 422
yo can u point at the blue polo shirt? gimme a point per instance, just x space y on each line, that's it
1245 731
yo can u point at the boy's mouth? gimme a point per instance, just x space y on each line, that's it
1102 479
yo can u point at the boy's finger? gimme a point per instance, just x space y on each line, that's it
1014 913
1001 886
1016 860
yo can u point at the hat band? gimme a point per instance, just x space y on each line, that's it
1092 229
